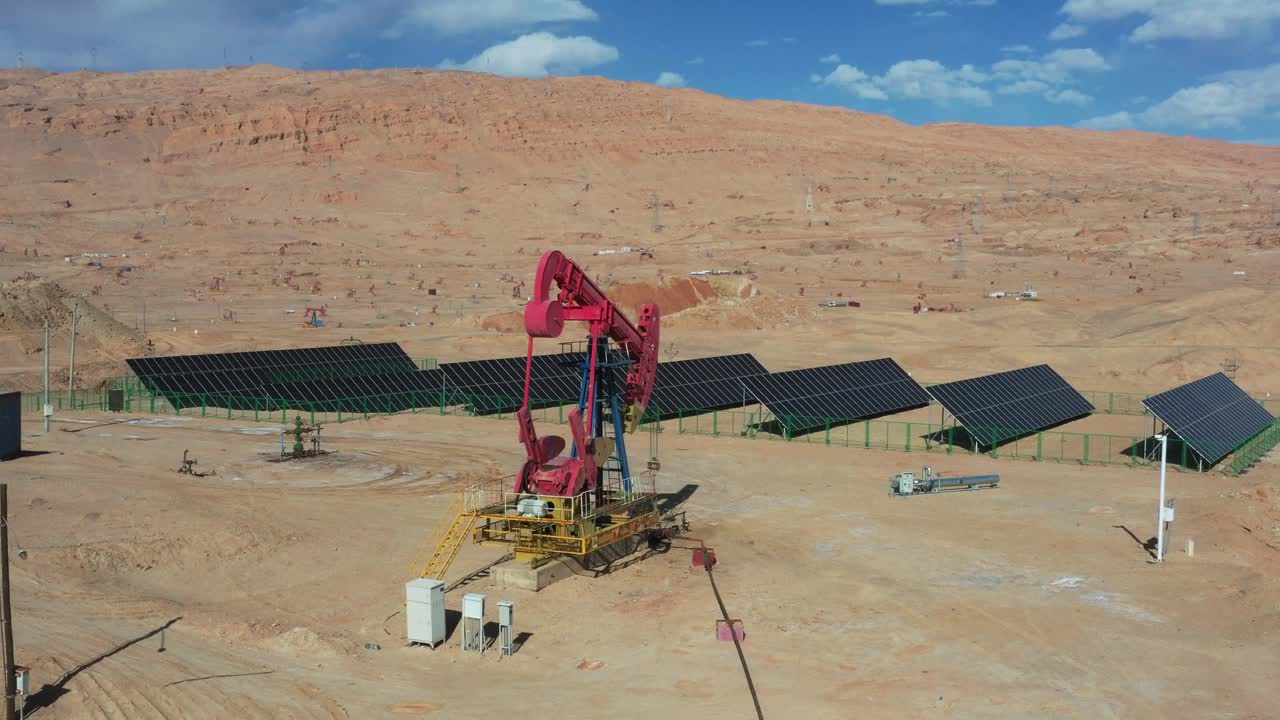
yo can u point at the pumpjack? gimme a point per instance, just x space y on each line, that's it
580 501
546 471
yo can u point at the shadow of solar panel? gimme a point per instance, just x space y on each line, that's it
1212 415
702 384
1007 405
811 399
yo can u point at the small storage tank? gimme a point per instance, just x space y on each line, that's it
10 424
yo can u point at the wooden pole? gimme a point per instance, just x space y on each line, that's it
6 611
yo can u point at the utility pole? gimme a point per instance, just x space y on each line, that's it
45 409
71 373
6 610
1164 455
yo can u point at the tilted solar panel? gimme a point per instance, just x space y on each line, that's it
498 385
999 407
702 384
391 392
809 399
1212 415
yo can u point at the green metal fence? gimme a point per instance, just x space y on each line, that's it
1083 448
1048 445
1253 450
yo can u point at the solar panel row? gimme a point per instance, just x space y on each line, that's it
809 399
1212 415
704 384
999 407
286 364
371 393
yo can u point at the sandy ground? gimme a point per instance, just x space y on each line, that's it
1032 600
411 203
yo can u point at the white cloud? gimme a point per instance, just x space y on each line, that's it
1207 19
1224 102
537 55
1017 49
163 34
694 61
831 59
1022 87
459 16
789 40
757 43
913 80
1114 121
1055 68
853 81
1068 97
931 13
903 2
930 80
1066 31
670 79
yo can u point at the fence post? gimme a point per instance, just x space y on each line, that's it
1086 449
828 432
866 440
909 434
951 438
1133 453
715 423
204 406
1039 446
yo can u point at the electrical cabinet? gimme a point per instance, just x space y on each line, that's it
424 611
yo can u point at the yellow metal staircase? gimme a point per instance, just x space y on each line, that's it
442 545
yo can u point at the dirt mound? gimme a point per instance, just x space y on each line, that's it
25 306
671 297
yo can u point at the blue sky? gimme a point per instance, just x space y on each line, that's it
1196 67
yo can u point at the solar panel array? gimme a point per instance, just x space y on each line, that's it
999 407
498 385
705 384
270 366
805 400
1212 415
372 393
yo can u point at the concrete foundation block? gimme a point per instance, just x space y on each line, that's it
517 575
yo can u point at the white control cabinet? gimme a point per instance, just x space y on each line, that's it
424 611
